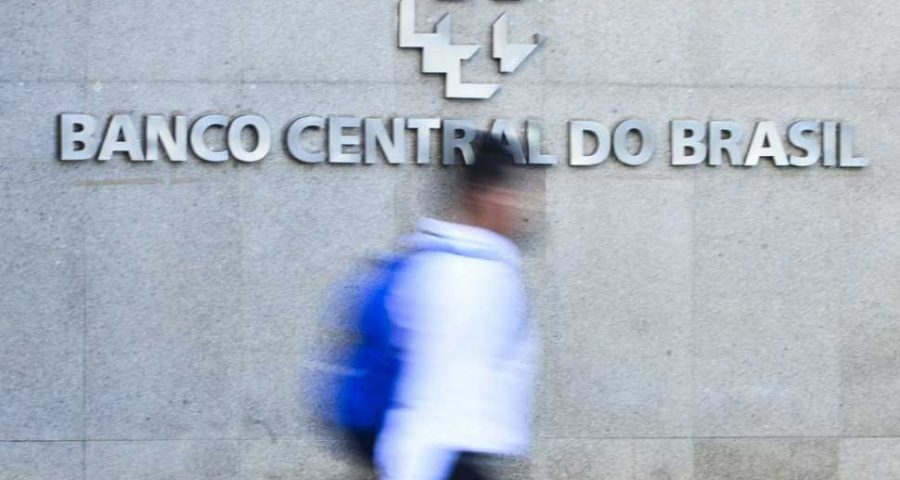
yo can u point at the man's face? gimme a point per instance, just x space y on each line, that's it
503 210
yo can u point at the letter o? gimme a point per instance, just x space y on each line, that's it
263 135
620 142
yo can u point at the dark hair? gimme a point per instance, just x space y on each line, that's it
491 166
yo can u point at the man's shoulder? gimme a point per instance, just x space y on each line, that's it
447 263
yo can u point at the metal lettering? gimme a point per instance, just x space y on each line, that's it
337 140
463 144
423 128
295 139
577 156
535 153
506 133
688 134
198 142
829 144
798 136
352 140
121 126
393 146
730 144
766 143
158 132
847 160
263 138
620 142
70 138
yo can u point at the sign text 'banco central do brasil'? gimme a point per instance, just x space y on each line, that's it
353 140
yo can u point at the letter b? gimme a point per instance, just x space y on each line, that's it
70 138
688 134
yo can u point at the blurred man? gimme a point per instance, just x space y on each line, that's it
457 310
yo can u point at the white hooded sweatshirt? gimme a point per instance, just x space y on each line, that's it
460 309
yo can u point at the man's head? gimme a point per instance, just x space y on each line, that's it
491 196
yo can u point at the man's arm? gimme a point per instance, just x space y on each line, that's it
440 305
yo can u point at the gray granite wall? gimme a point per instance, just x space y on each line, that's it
698 323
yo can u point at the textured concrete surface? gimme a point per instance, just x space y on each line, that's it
777 371
776 459
27 460
41 348
624 369
698 323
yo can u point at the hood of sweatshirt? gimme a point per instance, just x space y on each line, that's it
466 240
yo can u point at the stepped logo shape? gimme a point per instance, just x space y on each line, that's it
441 55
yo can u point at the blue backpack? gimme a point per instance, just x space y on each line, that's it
366 394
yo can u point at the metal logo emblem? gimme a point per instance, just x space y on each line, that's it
440 55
